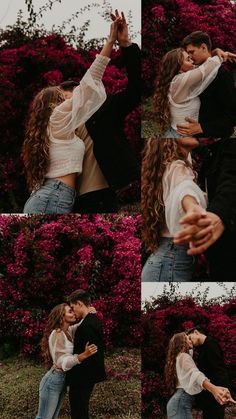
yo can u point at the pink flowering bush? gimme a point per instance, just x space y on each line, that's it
44 259
169 314
27 65
166 22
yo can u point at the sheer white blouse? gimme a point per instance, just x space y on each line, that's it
188 375
187 86
178 181
61 349
66 149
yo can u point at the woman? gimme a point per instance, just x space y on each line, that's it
52 153
169 189
179 86
185 380
57 350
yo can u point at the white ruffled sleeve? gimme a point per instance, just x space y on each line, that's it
85 101
189 376
190 84
61 350
178 181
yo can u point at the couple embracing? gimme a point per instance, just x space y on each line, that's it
74 352
195 104
75 152
208 382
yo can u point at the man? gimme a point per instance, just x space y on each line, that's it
109 163
210 361
217 118
82 378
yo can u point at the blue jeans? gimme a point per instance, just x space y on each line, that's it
52 390
54 197
180 405
170 263
172 133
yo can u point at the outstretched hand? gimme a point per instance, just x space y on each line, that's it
123 33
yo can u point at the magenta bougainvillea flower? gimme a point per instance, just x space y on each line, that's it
44 259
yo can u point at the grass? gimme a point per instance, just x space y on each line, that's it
119 397
149 126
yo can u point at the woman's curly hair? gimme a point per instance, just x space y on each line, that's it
55 322
157 155
177 344
170 67
35 151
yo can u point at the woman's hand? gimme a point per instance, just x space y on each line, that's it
92 310
113 36
89 351
224 55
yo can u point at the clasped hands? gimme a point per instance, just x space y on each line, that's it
223 396
201 229
119 29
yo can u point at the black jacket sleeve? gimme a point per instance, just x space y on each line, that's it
223 202
130 97
215 363
221 124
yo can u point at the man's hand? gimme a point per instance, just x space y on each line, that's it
200 232
123 33
189 129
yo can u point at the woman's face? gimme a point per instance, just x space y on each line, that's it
69 316
187 63
189 342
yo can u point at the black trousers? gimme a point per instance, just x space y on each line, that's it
79 396
215 412
101 201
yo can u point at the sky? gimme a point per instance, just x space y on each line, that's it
62 11
152 289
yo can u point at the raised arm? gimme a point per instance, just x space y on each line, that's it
131 54
192 83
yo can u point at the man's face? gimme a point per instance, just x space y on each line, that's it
194 338
77 309
197 54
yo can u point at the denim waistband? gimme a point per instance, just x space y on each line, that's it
57 184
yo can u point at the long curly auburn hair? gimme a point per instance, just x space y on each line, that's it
170 67
55 322
35 151
158 153
177 344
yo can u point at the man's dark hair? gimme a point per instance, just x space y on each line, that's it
79 295
198 328
69 85
196 39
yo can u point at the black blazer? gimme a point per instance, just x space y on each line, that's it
211 363
115 156
219 172
92 370
217 114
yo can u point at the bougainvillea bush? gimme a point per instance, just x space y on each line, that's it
166 22
44 259
30 60
169 314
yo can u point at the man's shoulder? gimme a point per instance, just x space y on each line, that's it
211 342
224 75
